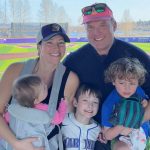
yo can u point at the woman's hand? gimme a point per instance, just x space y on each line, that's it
26 144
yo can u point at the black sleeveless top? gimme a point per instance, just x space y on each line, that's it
61 95
61 92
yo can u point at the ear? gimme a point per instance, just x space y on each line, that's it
36 101
75 102
114 81
114 24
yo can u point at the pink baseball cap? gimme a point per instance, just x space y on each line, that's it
96 12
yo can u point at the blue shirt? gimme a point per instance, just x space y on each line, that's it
108 105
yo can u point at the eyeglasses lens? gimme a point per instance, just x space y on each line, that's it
99 8
87 10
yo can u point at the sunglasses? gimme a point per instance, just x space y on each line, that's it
99 8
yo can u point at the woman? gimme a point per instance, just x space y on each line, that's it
51 48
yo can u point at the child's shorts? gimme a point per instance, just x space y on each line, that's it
136 139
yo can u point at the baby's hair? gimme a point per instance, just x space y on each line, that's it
83 88
126 68
26 89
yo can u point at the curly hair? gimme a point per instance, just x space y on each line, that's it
126 68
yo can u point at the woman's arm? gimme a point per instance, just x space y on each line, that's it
6 134
11 73
5 94
70 89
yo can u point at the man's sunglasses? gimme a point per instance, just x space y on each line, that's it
99 8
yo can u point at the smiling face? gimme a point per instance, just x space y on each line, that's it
101 34
126 87
86 107
53 49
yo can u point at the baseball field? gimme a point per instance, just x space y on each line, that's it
10 53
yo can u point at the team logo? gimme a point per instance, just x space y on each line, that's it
55 27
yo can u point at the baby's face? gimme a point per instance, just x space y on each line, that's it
125 87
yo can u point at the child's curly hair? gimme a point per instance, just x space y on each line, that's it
126 68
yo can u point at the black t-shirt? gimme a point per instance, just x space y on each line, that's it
90 66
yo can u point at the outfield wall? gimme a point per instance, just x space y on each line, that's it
81 39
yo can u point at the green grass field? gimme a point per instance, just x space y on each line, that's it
22 48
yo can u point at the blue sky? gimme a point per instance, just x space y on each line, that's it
139 9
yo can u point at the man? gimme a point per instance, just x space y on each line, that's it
91 60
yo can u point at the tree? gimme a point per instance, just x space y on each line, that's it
127 23
50 12
20 10
20 14
3 12
4 18
25 11
61 15
46 12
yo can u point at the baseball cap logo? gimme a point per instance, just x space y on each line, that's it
50 30
55 27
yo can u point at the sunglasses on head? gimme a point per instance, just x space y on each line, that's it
99 8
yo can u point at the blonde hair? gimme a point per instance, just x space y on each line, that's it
26 89
126 68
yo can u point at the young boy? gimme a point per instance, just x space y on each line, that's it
79 130
126 74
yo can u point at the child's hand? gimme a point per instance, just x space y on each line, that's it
102 138
60 113
63 103
126 131
144 103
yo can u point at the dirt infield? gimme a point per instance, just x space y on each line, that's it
17 55
23 55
